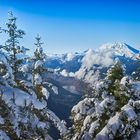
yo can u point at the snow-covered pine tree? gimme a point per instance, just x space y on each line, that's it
116 72
5 124
112 113
136 73
37 70
19 120
6 75
22 115
114 76
12 44
39 54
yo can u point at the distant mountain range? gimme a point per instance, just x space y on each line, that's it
92 64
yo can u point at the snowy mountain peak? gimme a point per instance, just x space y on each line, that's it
119 49
89 52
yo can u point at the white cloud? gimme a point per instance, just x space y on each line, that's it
103 58
66 74
70 56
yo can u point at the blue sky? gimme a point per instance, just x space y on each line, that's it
75 25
